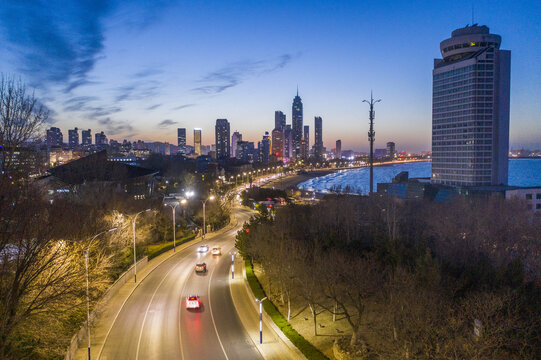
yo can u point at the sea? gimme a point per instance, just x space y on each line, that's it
522 172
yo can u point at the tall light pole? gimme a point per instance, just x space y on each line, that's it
204 217
371 138
261 318
87 292
173 207
134 250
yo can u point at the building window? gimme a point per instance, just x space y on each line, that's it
538 196
528 196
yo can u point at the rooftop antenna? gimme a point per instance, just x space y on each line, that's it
297 89
371 137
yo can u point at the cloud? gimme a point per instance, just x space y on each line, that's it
83 104
182 106
147 73
139 90
167 123
153 107
58 42
115 127
235 73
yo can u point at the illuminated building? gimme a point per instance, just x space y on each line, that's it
223 146
197 141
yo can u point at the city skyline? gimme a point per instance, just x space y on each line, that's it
123 82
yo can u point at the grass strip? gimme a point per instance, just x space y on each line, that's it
158 249
309 350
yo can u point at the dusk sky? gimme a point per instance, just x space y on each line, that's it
140 69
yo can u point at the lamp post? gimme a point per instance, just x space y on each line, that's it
134 251
261 318
173 207
87 292
204 217
233 264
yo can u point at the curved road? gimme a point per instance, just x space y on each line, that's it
154 323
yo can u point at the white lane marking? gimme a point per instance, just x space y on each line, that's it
212 316
148 307
130 294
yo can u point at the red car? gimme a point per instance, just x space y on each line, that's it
193 302
201 268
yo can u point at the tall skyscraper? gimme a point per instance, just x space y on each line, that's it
296 116
470 109
288 142
73 138
181 140
338 150
279 120
318 137
278 143
197 141
264 149
223 146
55 137
391 149
235 138
306 137
86 138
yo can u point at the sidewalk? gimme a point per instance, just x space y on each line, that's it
275 344
108 314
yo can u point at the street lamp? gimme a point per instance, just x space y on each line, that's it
173 207
233 264
204 218
87 292
261 318
134 251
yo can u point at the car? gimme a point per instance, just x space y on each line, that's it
193 302
203 248
201 267
216 251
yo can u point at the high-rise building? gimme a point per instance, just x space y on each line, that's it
470 109
306 137
264 149
54 137
338 150
246 151
235 138
73 138
288 142
318 137
279 120
296 112
391 150
197 141
223 146
86 137
278 143
100 139
181 140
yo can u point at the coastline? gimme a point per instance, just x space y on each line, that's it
291 181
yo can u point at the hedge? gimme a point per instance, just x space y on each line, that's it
155 250
309 350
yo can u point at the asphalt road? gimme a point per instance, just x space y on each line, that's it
154 323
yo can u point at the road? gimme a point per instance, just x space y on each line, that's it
154 323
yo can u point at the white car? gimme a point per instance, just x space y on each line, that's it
216 251
203 248
193 302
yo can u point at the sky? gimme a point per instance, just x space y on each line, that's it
140 69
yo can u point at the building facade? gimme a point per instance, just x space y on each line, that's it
100 139
318 137
86 137
278 144
288 143
73 138
470 110
55 137
338 149
279 120
181 140
197 141
297 128
306 138
391 149
235 138
223 145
